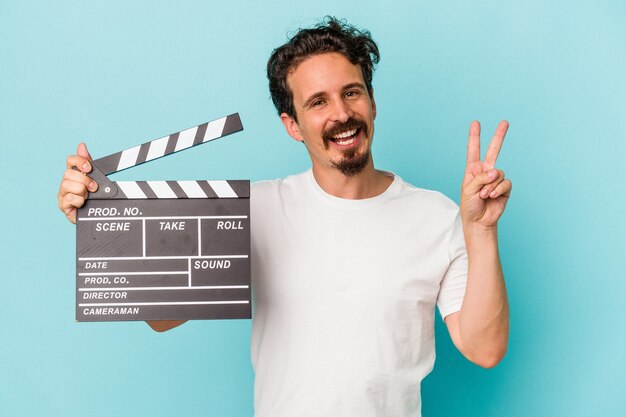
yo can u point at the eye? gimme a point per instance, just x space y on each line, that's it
352 93
318 102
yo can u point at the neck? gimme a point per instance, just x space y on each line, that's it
366 184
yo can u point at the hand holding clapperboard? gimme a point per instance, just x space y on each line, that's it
164 250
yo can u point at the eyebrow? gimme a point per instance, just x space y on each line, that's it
319 94
356 84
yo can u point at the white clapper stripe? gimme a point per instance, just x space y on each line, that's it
161 189
214 129
192 189
131 189
222 189
185 138
157 148
128 158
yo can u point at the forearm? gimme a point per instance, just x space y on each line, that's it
484 316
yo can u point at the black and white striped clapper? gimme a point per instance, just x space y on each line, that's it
164 250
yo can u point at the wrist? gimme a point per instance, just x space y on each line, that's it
473 230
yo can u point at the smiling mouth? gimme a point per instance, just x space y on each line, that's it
346 138
347 134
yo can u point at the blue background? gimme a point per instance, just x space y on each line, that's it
118 73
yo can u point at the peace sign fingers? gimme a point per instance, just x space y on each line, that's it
495 145
485 190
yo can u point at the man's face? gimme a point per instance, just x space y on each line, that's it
335 113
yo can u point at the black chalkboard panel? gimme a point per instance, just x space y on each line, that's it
164 259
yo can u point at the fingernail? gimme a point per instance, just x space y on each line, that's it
492 174
86 167
92 186
493 194
484 193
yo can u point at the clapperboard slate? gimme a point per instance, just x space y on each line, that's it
164 250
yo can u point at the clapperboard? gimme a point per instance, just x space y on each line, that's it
164 250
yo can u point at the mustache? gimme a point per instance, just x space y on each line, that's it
351 123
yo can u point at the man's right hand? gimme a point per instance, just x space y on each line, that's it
76 184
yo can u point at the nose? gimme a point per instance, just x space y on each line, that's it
340 111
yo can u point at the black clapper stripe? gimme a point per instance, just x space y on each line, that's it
171 143
207 189
200 133
108 164
240 187
177 189
143 185
143 153
232 124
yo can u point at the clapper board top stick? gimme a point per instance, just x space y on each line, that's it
164 250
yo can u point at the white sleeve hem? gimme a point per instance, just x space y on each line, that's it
451 309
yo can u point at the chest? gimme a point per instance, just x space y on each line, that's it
363 258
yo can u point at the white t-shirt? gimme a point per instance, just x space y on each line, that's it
345 294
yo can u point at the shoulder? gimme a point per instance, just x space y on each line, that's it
433 211
271 194
261 188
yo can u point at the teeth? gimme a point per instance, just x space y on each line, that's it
345 142
345 134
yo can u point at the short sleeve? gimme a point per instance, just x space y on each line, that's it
452 288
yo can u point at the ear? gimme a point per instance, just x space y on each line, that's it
291 126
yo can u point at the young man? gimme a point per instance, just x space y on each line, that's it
349 262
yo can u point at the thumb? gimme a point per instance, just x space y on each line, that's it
480 180
82 151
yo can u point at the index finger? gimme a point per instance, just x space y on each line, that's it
473 143
496 144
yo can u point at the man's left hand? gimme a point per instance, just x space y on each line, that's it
485 191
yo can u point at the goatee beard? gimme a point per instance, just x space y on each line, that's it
352 163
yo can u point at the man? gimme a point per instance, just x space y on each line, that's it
348 262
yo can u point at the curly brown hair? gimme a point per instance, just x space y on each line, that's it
330 35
